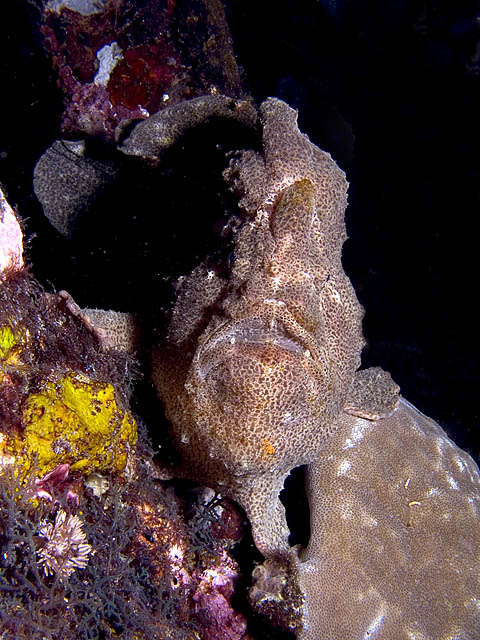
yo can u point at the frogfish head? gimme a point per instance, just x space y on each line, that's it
259 396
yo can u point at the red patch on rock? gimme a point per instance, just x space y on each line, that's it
142 77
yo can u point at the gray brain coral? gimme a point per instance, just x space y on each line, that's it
258 366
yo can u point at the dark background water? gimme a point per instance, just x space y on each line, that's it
391 90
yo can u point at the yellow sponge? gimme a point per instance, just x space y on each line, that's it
10 344
77 421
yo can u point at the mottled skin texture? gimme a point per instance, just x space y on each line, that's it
118 330
150 138
394 552
257 366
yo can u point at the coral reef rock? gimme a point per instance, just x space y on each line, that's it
121 59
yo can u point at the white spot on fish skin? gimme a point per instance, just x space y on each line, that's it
369 522
333 293
346 511
344 467
288 419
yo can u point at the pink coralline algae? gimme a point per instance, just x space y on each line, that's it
213 607
11 240
54 483
91 111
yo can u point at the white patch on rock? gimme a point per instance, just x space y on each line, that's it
84 7
107 57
